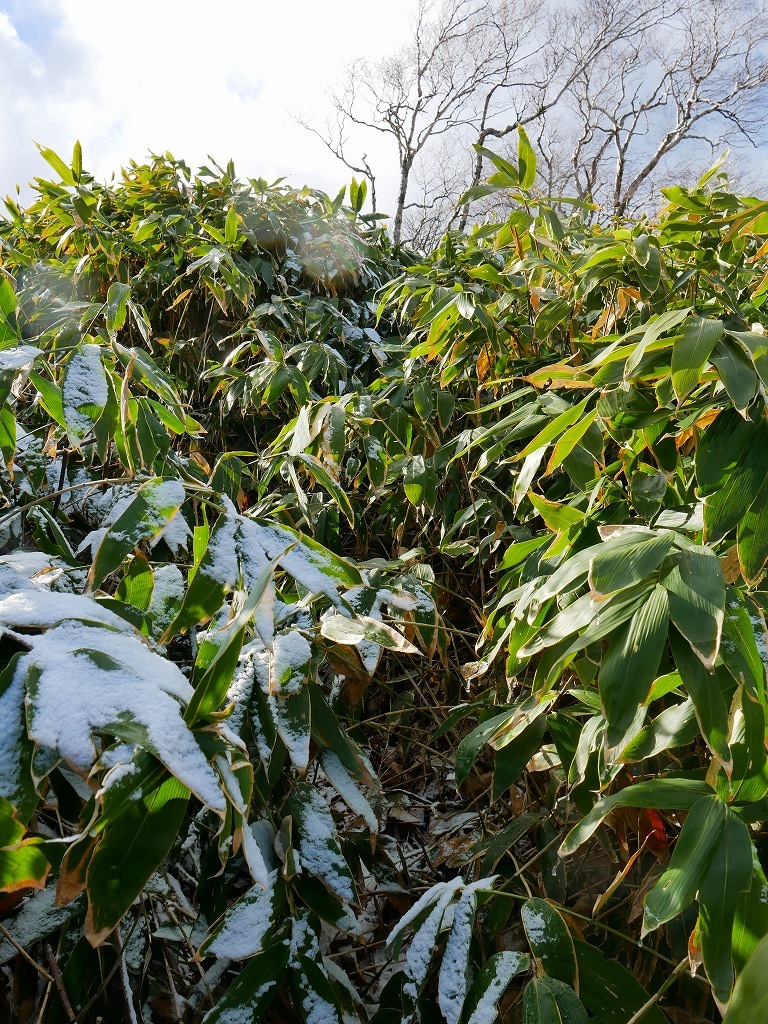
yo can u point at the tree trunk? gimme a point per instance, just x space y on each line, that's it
397 228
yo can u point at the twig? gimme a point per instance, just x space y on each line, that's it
41 970
657 995
59 983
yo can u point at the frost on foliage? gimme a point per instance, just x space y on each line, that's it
345 786
84 390
241 931
318 842
89 673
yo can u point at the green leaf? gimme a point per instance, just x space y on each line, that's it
706 691
749 1002
61 168
330 484
720 450
611 992
552 314
654 329
423 400
647 488
724 508
549 1001
511 760
129 851
117 302
23 865
752 537
445 406
77 160
631 664
526 159
697 600
616 566
691 352
737 373
570 440
729 874
50 398
491 983
550 941
415 480
738 644
676 726
697 844
137 584
555 428
7 434
230 225
660 794
751 918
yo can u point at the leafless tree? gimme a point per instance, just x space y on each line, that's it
688 88
435 85
608 88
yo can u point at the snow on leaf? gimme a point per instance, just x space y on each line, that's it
345 786
254 858
422 947
318 842
38 917
84 391
175 533
304 941
84 678
290 716
425 900
26 604
167 595
252 669
290 661
491 984
151 508
241 931
454 968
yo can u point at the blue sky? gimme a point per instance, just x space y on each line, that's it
195 78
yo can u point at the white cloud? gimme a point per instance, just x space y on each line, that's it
198 79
